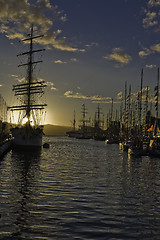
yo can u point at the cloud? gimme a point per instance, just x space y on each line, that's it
150 66
16 17
70 94
156 47
64 18
13 76
21 13
118 56
59 61
117 50
74 60
134 96
145 52
108 100
23 79
151 96
18 78
151 50
54 89
51 86
149 20
153 3
92 44
51 38
63 62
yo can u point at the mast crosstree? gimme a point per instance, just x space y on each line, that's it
30 87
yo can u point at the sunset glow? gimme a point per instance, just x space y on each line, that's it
87 59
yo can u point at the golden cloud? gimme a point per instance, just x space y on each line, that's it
59 61
145 52
150 66
51 85
156 47
16 17
118 56
154 3
70 94
149 20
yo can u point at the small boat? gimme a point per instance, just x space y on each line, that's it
46 145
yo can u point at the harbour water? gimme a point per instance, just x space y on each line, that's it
79 189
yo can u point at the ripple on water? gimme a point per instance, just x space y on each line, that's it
79 190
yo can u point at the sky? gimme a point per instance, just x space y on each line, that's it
92 48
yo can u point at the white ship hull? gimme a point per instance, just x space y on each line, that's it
27 137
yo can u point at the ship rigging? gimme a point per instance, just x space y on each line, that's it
30 133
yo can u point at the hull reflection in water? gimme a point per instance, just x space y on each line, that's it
79 190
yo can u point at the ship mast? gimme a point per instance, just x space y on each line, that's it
157 100
74 121
156 103
30 71
84 112
31 87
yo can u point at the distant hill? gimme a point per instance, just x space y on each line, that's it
56 130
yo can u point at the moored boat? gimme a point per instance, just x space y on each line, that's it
154 145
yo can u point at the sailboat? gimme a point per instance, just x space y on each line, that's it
154 145
73 133
28 132
125 140
84 130
99 133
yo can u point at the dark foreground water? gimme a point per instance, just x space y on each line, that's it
79 189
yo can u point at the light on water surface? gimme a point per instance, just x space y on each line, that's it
79 189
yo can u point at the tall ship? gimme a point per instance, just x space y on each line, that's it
73 133
28 131
99 133
85 131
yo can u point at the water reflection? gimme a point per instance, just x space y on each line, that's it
139 202
20 182
79 190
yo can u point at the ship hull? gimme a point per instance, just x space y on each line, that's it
27 137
